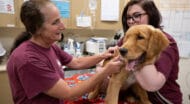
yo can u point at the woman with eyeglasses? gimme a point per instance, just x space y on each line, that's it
160 78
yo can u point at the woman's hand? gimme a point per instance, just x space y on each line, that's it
113 66
109 52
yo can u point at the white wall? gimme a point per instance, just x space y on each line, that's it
184 79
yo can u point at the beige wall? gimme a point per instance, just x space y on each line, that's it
5 93
184 79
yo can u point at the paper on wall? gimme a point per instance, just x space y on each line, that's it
7 6
63 6
110 10
83 21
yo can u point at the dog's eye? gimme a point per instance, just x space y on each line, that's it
139 37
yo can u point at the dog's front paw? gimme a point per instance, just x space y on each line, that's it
92 95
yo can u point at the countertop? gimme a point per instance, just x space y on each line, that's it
2 67
3 61
68 73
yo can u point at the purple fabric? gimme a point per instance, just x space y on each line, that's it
32 70
168 65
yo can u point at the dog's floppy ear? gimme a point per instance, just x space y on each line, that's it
157 43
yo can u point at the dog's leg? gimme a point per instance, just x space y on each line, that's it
112 92
95 92
114 86
141 93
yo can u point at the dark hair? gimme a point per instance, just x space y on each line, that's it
32 18
152 11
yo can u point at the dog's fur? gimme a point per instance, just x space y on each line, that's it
143 45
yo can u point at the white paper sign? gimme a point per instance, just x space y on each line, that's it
83 21
110 10
7 6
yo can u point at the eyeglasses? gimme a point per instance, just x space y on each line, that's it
135 17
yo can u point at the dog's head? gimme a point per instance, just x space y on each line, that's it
143 43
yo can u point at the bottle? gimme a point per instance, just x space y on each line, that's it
71 47
78 50
66 49
78 53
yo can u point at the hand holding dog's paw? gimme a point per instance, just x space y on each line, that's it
114 65
110 52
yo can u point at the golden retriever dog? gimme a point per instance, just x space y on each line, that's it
142 45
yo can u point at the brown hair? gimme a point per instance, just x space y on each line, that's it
149 7
32 18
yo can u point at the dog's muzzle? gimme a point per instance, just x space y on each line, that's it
132 62
123 51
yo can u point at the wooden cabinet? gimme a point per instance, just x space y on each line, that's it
11 20
7 20
5 95
76 6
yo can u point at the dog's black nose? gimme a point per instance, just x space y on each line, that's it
123 51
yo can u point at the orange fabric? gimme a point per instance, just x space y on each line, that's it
77 78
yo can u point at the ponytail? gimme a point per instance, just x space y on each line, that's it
20 39
32 18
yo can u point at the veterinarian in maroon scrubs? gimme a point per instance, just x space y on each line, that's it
158 79
35 63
